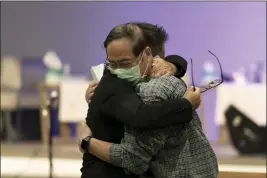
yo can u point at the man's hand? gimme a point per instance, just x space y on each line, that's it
193 97
161 67
90 91
84 131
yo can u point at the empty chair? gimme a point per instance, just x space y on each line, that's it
10 88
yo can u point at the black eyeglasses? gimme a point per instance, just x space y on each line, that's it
213 83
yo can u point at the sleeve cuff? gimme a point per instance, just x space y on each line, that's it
182 104
115 153
188 104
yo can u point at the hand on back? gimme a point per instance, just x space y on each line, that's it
90 91
161 67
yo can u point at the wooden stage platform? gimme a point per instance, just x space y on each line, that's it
30 161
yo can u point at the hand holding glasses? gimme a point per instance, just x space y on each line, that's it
213 83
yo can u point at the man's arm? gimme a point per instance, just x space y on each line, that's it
117 155
96 147
100 149
129 109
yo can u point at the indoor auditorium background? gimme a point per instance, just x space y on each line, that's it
233 115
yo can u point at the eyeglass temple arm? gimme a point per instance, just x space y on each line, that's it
192 74
218 63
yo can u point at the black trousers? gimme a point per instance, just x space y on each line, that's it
100 169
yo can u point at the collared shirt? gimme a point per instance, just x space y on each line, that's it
180 150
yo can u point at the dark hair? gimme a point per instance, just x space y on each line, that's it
181 64
142 34
130 31
154 35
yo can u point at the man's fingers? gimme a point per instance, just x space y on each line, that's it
88 97
167 74
152 72
155 74
90 91
92 84
154 69
93 89
158 69
197 90
192 89
155 62
158 74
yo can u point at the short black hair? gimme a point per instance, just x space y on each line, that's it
142 34
155 36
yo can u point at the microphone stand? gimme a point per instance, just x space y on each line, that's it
52 106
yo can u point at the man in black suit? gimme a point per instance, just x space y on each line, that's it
130 49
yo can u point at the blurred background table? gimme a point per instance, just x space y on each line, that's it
70 110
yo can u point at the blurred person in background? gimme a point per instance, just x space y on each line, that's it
115 102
